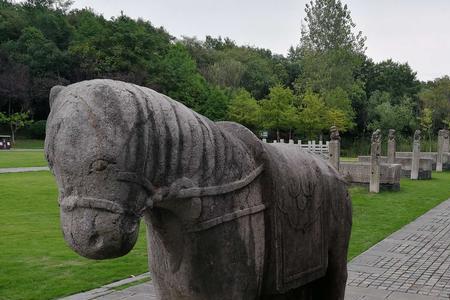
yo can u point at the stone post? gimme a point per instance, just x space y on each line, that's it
391 147
291 141
415 163
334 147
264 140
375 152
443 138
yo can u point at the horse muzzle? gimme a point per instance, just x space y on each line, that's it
98 228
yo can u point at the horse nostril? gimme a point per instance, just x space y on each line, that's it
95 240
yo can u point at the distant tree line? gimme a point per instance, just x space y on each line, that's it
327 79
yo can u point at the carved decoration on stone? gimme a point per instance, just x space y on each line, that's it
417 135
334 134
376 136
391 134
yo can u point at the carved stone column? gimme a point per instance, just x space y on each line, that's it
415 163
443 138
334 147
375 152
392 147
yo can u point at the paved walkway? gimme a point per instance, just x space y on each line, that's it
20 170
413 264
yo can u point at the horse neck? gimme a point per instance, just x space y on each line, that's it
183 144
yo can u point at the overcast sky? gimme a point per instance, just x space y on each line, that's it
413 31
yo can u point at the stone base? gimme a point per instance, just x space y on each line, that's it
423 174
383 186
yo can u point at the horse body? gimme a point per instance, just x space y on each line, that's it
225 213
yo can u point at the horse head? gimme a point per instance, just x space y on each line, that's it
92 146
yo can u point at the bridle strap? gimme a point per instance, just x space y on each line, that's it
191 192
220 189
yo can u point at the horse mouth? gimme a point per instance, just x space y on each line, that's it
97 228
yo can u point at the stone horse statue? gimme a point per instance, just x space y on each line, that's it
227 216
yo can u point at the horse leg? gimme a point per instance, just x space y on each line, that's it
332 286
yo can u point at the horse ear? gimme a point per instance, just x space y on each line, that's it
54 93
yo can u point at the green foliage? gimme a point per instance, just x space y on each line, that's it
278 111
15 121
426 122
312 117
37 129
244 109
386 115
329 26
436 96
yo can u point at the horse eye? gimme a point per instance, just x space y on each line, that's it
99 165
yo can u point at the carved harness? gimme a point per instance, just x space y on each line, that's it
184 189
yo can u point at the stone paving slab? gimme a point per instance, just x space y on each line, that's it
411 264
138 292
20 170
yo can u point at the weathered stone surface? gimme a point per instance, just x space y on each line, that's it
391 146
415 163
428 155
375 152
425 165
359 173
228 217
334 147
443 144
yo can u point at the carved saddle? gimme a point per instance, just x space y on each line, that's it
296 186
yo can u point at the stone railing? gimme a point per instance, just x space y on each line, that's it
311 146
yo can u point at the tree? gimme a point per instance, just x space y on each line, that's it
329 26
15 122
278 111
331 55
426 122
383 114
244 109
397 79
312 118
436 96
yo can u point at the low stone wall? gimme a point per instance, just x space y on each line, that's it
359 173
425 165
429 155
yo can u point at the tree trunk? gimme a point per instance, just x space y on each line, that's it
278 135
13 139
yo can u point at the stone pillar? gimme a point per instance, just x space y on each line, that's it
264 140
415 163
443 138
334 147
375 152
391 147
291 141
282 141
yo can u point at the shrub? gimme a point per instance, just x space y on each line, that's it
37 129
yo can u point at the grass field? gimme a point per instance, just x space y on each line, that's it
375 216
29 144
15 159
35 263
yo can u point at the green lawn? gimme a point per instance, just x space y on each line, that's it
14 159
375 216
35 263
29 144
